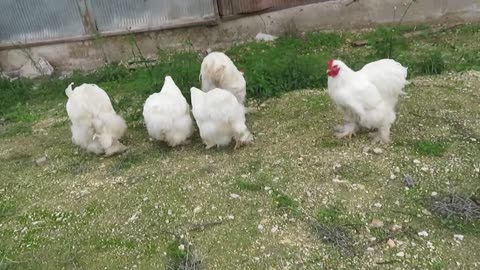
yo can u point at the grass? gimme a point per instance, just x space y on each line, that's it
289 63
84 211
429 148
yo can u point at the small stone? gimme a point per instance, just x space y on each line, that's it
336 180
370 249
391 243
260 227
181 247
373 239
376 223
392 176
378 151
423 234
41 161
35 68
274 229
265 37
408 181
395 228
426 212
416 161
231 217
425 169
458 237
197 209
234 196
378 205
397 170
366 149
434 194
400 254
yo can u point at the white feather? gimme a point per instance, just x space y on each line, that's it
368 97
96 127
389 76
167 115
218 71
220 117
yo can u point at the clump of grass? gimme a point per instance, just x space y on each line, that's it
271 68
329 215
6 209
432 64
322 39
245 185
386 42
21 113
13 93
429 148
283 201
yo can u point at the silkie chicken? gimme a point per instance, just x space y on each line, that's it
367 97
220 117
218 71
167 115
96 127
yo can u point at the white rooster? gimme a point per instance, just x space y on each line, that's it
96 127
220 117
367 97
218 71
167 115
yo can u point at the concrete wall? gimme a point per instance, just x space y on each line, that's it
322 16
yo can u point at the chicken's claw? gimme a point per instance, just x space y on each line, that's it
341 135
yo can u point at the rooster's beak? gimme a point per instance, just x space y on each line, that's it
328 70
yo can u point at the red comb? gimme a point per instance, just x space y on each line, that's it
330 63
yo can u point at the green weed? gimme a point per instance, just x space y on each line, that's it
283 201
245 185
428 148
432 64
271 68
386 42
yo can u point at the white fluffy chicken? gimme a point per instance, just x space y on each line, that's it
96 127
220 117
167 115
218 71
367 97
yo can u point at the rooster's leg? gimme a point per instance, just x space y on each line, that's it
348 130
116 148
209 145
382 136
346 134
